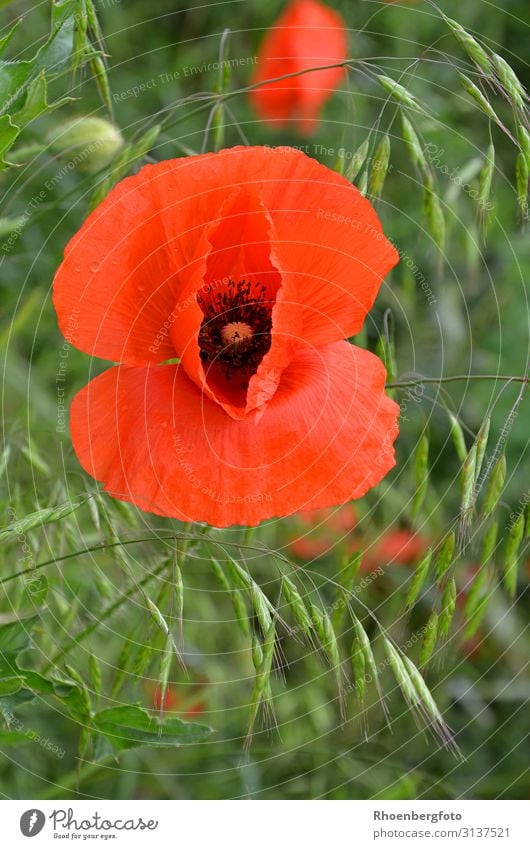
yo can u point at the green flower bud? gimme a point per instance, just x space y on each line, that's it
89 143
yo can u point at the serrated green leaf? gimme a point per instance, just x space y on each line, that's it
4 41
128 727
52 57
36 102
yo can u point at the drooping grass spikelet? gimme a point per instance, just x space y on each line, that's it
419 578
495 487
164 670
476 601
346 579
328 640
447 609
523 137
380 165
235 595
521 184
510 81
261 686
457 435
40 517
470 45
370 663
362 183
479 98
296 605
467 484
481 443
489 543
444 557
401 675
434 716
511 554
357 161
413 144
484 190
358 662
429 638
399 92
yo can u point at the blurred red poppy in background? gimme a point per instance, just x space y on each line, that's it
175 700
307 35
398 546
320 530
244 267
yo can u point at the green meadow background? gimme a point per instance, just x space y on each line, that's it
81 635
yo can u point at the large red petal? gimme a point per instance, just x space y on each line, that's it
154 439
236 247
116 288
327 241
126 274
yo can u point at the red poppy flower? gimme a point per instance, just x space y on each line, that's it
174 701
395 547
170 701
320 530
307 35
249 266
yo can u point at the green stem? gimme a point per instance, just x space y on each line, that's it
454 377
157 538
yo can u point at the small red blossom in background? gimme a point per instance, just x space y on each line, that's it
318 531
395 547
308 34
242 266
176 701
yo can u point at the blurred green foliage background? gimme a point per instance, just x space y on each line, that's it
477 325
